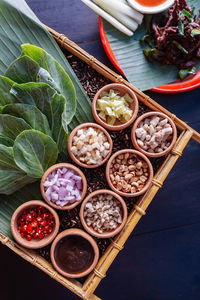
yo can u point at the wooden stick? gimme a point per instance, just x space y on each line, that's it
72 47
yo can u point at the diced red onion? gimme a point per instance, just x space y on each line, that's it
63 186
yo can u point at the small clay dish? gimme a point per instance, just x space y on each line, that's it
34 243
141 158
74 253
73 133
60 166
122 89
143 117
106 234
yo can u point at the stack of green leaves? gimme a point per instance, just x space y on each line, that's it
37 104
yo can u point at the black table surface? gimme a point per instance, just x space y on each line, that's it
161 258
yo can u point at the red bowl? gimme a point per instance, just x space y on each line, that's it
190 83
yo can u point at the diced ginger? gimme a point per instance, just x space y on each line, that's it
80 145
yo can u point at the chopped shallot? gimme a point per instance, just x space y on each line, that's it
63 186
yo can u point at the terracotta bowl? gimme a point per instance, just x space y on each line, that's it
123 89
33 244
140 155
55 167
144 116
74 232
73 133
106 234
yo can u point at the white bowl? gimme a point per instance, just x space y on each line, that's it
150 9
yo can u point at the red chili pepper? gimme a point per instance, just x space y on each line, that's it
35 223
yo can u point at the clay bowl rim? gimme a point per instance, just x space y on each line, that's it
111 233
79 232
144 116
116 86
149 181
69 145
50 170
33 244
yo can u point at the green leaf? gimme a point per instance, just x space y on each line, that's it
64 83
188 15
29 113
181 27
12 180
11 177
129 54
6 157
151 53
186 72
11 126
4 140
34 152
5 87
50 103
195 32
180 47
23 69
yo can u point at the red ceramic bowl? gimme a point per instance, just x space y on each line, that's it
190 83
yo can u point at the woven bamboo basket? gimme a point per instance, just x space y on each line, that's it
86 290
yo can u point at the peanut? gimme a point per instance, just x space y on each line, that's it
132 167
128 177
117 178
126 155
116 166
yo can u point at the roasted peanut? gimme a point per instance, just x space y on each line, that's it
128 176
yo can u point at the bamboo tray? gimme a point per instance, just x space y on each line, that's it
86 290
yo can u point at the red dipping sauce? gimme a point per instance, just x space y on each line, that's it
150 2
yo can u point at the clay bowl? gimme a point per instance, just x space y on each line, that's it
33 244
73 133
68 166
144 116
112 233
123 89
139 155
74 232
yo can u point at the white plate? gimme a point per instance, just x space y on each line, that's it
151 9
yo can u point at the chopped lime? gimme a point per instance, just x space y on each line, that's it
111 120
128 98
102 104
102 116
109 111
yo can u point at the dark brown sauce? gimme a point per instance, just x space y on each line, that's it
74 254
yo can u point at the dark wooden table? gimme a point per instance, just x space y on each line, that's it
161 258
